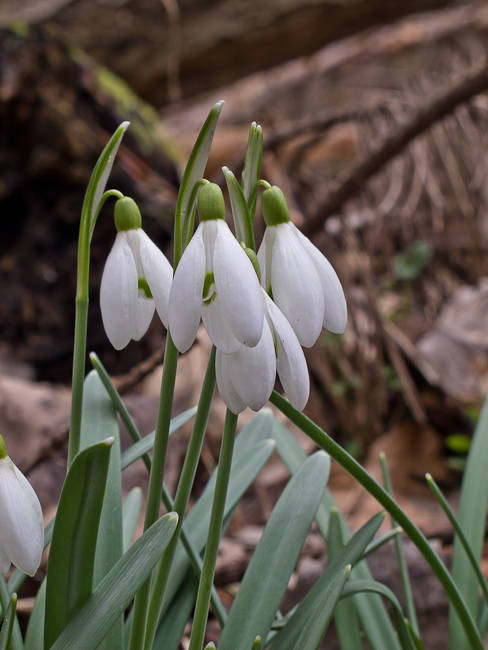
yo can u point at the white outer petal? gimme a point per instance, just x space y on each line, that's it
253 371
21 521
218 327
335 316
238 288
296 285
291 364
118 293
185 299
224 384
158 273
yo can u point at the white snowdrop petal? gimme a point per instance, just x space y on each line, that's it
238 288
185 300
118 293
158 273
253 371
296 286
335 307
224 384
291 363
144 311
21 521
217 326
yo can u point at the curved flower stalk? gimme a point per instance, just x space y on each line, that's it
299 278
136 279
21 521
246 376
215 281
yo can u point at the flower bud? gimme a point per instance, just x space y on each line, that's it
210 202
126 214
275 209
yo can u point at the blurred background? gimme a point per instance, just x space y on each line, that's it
375 118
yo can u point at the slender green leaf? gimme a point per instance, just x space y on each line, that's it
257 601
360 586
417 643
72 555
323 608
113 593
252 449
5 600
145 445
345 615
305 612
172 624
131 509
372 613
8 624
471 518
252 165
34 636
99 421
193 173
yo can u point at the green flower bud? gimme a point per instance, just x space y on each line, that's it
210 202
275 209
126 214
253 259
3 448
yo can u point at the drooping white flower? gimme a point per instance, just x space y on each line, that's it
215 281
299 277
246 376
136 279
21 521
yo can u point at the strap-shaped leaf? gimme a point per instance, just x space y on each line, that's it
274 559
144 446
240 212
113 593
248 459
323 609
471 518
252 164
172 624
372 613
361 586
34 636
193 173
8 624
303 615
131 509
345 616
99 421
72 555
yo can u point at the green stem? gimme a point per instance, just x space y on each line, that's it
214 533
402 562
193 555
16 636
459 532
155 481
354 468
182 496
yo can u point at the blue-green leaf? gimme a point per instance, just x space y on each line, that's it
240 212
72 555
258 599
8 624
34 637
172 624
113 593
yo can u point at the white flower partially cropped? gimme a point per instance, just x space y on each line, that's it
215 281
246 376
299 277
21 521
136 280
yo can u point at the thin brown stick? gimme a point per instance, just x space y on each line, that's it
353 180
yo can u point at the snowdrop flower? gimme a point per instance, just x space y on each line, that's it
246 376
299 278
135 281
21 521
215 281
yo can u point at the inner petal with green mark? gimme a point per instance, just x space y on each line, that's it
208 291
143 286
